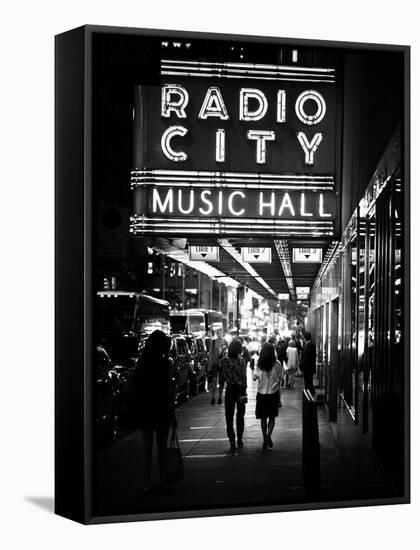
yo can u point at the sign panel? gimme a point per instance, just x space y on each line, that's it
235 147
182 210
283 296
307 255
204 253
256 255
234 203
302 292
303 289
277 126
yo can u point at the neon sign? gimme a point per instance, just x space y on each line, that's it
235 147
238 203
175 99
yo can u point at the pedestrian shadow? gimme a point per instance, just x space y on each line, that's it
46 503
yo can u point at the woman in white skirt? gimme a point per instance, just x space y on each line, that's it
268 374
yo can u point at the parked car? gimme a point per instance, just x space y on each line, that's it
106 397
182 367
200 357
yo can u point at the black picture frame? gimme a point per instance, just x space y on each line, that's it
74 265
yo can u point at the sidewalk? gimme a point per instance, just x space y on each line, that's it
217 477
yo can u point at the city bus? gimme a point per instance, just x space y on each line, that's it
124 318
214 321
188 321
197 322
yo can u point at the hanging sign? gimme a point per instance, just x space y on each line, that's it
302 292
279 126
307 255
303 289
210 203
283 296
204 253
256 255
234 148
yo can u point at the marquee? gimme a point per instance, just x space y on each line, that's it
234 147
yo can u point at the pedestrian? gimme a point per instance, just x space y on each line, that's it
253 351
218 349
246 356
282 357
308 362
151 400
292 363
234 374
268 373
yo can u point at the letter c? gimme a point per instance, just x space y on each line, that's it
165 142
230 205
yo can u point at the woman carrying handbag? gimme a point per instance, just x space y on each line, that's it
151 401
173 469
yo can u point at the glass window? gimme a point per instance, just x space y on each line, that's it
181 347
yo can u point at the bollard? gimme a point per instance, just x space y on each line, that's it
311 469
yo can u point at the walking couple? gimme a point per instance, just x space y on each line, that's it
268 373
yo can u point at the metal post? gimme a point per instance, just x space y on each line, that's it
163 275
238 314
183 286
311 464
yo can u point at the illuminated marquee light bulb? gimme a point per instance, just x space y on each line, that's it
261 136
309 147
168 104
165 142
281 106
300 111
220 145
213 105
244 113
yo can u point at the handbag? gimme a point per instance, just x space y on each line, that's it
243 399
173 468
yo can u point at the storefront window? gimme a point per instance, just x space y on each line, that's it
354 323
361 320
398 291
370 317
